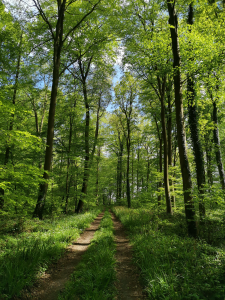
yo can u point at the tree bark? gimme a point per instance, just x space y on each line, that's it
193 124
68 165
88 156
160 170
148 169
97 175
208 150
120 159
161 87
216 139
184 163
169 133
58 43
128 164
138 159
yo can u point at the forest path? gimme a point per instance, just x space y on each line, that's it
128 285
54 280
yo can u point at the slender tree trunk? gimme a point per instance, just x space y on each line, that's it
160 170
86 159
117 177
88 156
132 173
120 168
97 175
184 163
148 168
124 185
8 148
169 134
50 135
128 164
193 123
138 159
68 164
174 174
164 135
216 139
75 187
51 118
208 150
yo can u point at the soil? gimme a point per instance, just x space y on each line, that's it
54 280
127 284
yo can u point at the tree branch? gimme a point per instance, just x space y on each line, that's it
39 8
78 24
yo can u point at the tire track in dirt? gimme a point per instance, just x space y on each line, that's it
55 278
127 284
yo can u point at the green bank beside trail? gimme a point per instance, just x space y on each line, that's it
27 247
94 277
173 266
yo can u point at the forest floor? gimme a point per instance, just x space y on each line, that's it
54 280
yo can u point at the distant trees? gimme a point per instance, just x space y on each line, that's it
57 65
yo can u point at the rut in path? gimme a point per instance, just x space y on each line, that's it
54 280
127 283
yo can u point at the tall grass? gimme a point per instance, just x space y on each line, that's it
173 266
26 255
94 277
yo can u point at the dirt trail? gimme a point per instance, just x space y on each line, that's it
127 284
53 281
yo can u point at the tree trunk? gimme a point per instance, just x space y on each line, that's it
86 159
132 173
208 150
160 170
138 159
50 135
193 123
216 139
169 134
164 135
148 169
51 118
184 163
68 165
174 174
97 174
120 178
88 156
128 164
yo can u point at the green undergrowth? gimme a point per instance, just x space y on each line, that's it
94 277
173 266
26 254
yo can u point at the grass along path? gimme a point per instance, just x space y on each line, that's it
173 266
55 279
94 277
25 254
